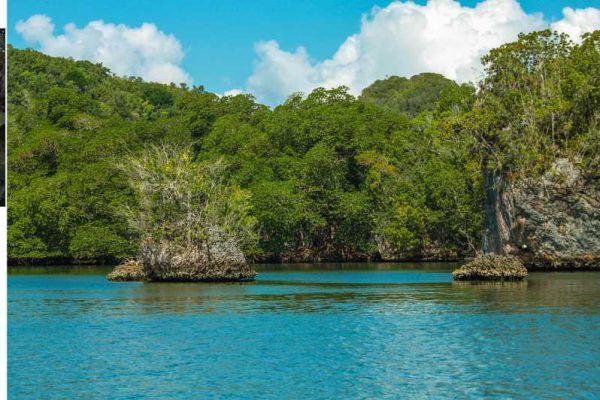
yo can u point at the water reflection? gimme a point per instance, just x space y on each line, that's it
59 269
185 297
406 292
569 292
566 293
397 332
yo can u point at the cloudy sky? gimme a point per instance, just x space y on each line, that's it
272 48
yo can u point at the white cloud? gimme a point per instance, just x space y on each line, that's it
577 22
233 92
36 28
142 51
404 39
279 72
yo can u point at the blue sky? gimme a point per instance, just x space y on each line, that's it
218 37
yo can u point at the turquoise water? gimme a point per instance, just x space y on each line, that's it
304 332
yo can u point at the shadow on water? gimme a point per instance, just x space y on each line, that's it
260 268
396 288
581 296
60 269
540 293
579 292
358 266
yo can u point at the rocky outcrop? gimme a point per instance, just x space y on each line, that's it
551 222
220 260
129 270
491 267
167 262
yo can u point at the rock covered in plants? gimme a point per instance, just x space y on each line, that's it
168 262
491 267
194 224
183 269
129 270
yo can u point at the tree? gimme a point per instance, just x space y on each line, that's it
529 111
408 96
188 217
401 170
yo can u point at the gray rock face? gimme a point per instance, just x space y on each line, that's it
552 222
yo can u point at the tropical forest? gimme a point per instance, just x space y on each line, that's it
408 169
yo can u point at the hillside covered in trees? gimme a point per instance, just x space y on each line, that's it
397 173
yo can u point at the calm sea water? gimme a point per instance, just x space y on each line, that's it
304 332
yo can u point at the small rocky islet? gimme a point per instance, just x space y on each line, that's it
133 270
491 267
548 223
185 266
552 223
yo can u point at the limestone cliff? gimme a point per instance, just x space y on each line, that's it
549 222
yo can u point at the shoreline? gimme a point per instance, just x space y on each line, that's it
73 263
60 261
531 267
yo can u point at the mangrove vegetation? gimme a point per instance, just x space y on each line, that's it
103 168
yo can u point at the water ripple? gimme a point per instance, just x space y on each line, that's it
351 334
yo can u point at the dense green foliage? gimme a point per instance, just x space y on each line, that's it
412 96
540 100
395 173
185 202
2 115
187 216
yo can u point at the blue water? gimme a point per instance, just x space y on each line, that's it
304 332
